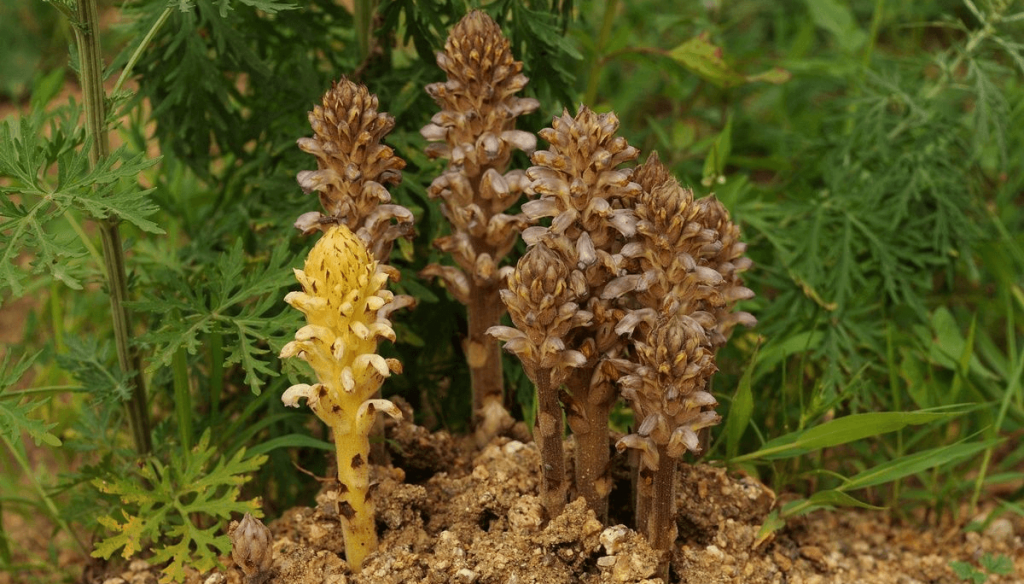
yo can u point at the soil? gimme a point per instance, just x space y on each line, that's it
448 512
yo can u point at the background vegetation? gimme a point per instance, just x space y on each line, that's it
869 149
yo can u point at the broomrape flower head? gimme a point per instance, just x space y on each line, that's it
666 386
353 168
345 304
578 183
252 548
543 309
342 297
476 125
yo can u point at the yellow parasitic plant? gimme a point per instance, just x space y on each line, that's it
345 304
475 131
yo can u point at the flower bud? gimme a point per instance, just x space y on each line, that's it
252 548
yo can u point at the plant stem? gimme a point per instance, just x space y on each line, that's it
216 373
33 477
126 73
362 15
91 76
593 447
1012 390
548 434
611 7
182 398
660 509
355 504
483 355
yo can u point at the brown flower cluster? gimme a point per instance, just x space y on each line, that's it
353 169
589 201
475 131
683 270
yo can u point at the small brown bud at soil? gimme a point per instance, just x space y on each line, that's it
252 549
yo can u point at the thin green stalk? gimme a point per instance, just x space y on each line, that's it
5 550
216 346
1011 390
182 398
57 317
130 65
611 7
91 75
43 391
894 388
362 14
865 60
97 256
51 507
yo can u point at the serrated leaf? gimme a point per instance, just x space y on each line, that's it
14 416
129 537
166 500
997 564
234 299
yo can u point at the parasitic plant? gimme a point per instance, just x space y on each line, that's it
630 288
544 309
590 201
683 269
346 306
354 169
475 131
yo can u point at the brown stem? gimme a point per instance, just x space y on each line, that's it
548 434
483 354
593 448
656 507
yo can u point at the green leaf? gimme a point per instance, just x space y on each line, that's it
163 503
290 441
718 156
836 17
703 58
827 499
848 429
997 564
91 364
771 524
967 572
739 411
14 416
239 301
775 76
912 464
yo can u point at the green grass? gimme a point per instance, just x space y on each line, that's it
865 147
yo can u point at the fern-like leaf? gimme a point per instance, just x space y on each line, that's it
163 502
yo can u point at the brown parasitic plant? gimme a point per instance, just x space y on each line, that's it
640 280
354 168
475 132
590 200
682 271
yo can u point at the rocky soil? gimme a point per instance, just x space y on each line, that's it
448 512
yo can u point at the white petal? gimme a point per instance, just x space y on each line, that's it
433 132
292 395
375 361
